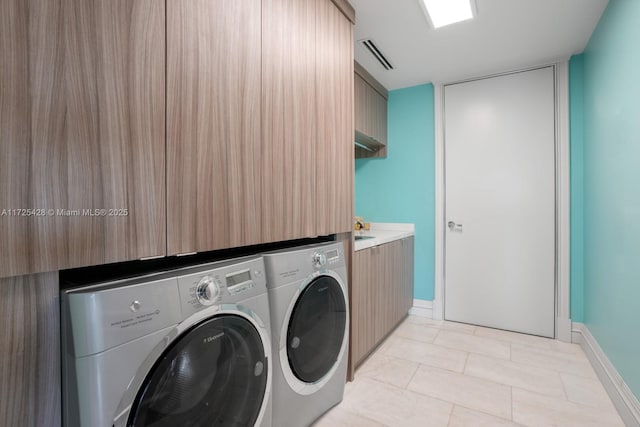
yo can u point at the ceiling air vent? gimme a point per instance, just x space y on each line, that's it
377 54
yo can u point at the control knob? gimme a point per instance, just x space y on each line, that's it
207 291
319 260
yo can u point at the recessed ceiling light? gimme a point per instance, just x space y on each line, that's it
445 12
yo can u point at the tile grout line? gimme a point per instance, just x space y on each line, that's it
388 384
589 405
466 360
480 411
561 356
416 340
453 406
366 417
564 387
439 399
415 371
437 336
427 394
575 404
474 351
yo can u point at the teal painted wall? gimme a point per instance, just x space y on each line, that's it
576 120
400 188
612 187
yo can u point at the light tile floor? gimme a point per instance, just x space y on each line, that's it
435 373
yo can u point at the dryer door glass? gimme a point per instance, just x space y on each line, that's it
316 329
214 375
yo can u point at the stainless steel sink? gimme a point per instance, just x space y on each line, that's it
365 237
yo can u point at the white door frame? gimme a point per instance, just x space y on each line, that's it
562 268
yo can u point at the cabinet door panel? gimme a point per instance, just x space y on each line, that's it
82 128
382 293
115 84
386 303
22 46
213 108
379 271
334 94
402 294
30 354
408 268
362 114
381 118
363 302
372 112
396 282
288 119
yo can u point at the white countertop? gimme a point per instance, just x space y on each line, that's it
383 232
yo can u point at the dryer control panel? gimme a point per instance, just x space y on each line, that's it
297 263
328 258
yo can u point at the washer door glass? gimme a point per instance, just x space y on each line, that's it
214 375
316 329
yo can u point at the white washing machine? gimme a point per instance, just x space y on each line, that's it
190 347
308 298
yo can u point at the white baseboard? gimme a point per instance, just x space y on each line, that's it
422 308
563 329
623 398
438 309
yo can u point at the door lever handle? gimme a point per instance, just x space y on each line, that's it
454 227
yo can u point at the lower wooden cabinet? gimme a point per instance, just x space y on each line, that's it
382 294
363 304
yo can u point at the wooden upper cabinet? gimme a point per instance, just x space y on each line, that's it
81 129
256 97
334 98
214 148
288 119
363 122
307 119
370 114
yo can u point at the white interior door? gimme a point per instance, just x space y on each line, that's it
500 202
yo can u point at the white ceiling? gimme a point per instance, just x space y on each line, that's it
506 35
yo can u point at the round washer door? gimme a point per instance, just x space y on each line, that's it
316 329
215 374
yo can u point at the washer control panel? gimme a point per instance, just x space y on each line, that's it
241 281
333 256
207 291
222 285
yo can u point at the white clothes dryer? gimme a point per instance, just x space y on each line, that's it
308 298
189 347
